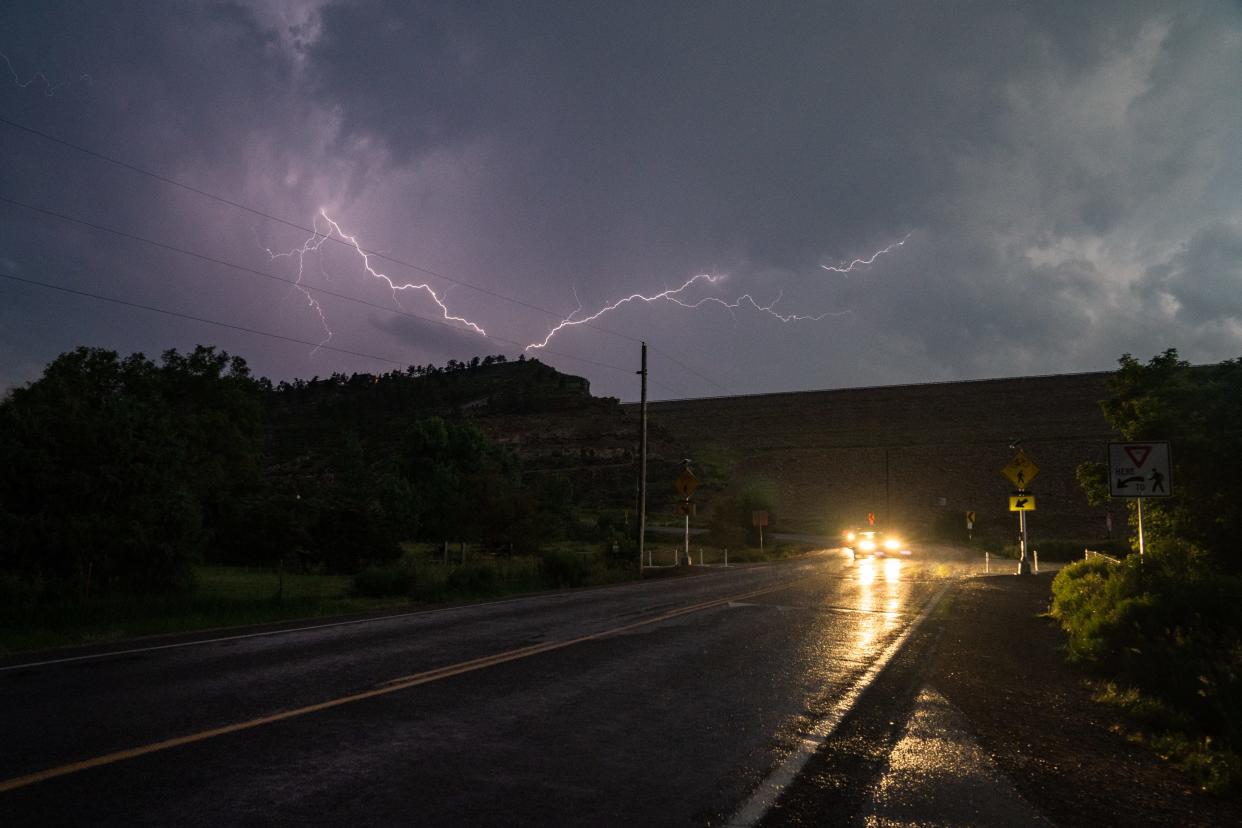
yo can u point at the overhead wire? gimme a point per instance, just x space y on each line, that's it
242 268
232 326
194 318
295 225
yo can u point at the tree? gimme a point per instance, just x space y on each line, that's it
92 486
466 484
218 410
120 472
757 495
1199 410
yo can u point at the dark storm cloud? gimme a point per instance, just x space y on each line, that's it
1204 278
1068 173
429 336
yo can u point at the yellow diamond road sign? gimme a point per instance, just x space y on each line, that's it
1022 503
686 483
1021 470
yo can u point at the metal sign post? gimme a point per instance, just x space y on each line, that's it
685 484
1020 472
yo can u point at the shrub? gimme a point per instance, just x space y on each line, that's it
564 568
394 579
1169 625
474 578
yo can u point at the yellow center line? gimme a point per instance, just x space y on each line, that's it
391 686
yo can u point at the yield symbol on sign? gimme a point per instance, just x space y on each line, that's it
1138 454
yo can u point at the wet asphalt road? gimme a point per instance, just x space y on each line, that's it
662 703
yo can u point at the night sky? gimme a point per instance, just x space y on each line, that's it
999 188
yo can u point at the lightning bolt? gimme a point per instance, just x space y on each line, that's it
325 232
674 295
313 244
769 308
570 321
870 260
426 288
49 88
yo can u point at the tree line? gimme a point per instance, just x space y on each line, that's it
120 473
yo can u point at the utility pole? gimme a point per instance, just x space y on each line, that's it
685 466
642 462
888 497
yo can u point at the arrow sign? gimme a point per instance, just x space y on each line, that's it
1022 503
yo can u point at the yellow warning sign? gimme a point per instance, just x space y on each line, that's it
1022 503
1021 470
686 483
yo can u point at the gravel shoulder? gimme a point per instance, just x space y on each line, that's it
999 661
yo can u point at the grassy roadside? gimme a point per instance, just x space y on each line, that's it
223 597
238 596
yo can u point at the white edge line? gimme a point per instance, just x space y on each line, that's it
770 789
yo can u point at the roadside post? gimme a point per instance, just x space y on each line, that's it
1020 471
685 484
1139 470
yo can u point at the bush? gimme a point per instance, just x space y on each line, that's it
564 568
18 596
474 578
1169 625
395 579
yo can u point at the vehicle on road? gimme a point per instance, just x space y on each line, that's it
874 543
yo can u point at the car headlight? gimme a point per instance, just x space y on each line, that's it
892 544
849 536
867 545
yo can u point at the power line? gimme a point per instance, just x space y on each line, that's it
194 318
224 263
229 325
315 232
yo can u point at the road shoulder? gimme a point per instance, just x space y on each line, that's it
999 661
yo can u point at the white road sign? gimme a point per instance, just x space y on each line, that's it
1139 470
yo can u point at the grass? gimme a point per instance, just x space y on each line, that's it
1167 732
226 596
223 597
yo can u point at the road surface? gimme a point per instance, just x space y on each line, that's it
683 701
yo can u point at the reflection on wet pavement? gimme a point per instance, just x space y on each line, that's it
938 775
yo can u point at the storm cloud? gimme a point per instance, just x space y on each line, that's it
1065 175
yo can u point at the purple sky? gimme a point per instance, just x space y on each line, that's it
1065 178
